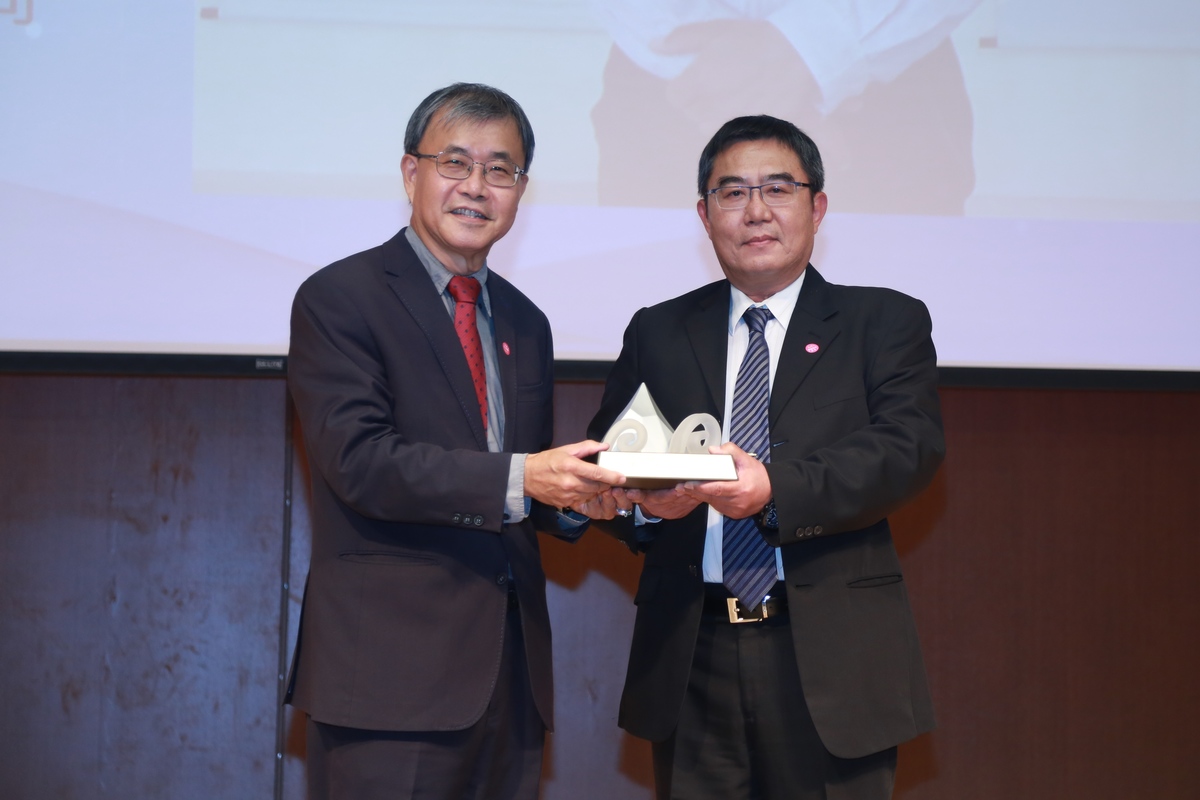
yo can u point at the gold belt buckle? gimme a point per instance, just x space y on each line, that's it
736 614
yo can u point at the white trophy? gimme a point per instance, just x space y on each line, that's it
643 448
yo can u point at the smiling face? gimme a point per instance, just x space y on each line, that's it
459 221
761 248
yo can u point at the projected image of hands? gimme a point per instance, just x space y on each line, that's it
877 84
920 107
168 183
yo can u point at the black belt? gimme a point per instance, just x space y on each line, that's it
721 606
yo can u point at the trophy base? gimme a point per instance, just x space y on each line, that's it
664 470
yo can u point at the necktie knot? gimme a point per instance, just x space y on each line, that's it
756 318
464 289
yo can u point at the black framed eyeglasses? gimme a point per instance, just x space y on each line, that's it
456 166
733 196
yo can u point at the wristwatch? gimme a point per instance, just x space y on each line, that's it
768 519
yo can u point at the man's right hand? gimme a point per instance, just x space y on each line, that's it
672 503
729 58
560 477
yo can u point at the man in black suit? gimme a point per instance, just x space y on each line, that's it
811 694
422 380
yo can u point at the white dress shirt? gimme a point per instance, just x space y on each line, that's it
781 305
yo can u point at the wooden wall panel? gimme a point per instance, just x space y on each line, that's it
292 777
139 591
1051 565
1053 568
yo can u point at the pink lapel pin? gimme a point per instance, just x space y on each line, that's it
507 350
811 347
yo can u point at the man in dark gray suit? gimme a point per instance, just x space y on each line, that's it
774 653
422 381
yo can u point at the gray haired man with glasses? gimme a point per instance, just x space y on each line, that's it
423 383
774 653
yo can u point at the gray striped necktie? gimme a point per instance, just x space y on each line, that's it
748 562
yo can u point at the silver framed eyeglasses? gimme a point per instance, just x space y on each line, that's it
733 196
456 166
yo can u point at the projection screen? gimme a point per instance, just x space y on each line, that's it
170 172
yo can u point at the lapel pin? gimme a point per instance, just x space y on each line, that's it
507 350
811 347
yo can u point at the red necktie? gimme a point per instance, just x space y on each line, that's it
465 292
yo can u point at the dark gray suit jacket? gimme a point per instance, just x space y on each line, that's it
855 432
405 605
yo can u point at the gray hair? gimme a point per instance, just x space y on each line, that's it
471 101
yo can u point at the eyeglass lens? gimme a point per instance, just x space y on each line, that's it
497 172
773 194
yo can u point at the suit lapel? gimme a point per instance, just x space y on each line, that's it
412 285
708 333
809 334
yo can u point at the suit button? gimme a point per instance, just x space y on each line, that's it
478 520
457 518
501 579
818 530
799 533
808 531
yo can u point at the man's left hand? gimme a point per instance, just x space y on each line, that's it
738 499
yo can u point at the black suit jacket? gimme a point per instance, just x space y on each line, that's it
404 609
855 432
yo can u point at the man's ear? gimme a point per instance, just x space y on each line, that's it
702 210
820 206
408 171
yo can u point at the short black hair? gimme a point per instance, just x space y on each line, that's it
753 129
472 101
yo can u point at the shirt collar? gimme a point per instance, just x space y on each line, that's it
781 304
440 275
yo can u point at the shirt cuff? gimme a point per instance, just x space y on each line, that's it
516 504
